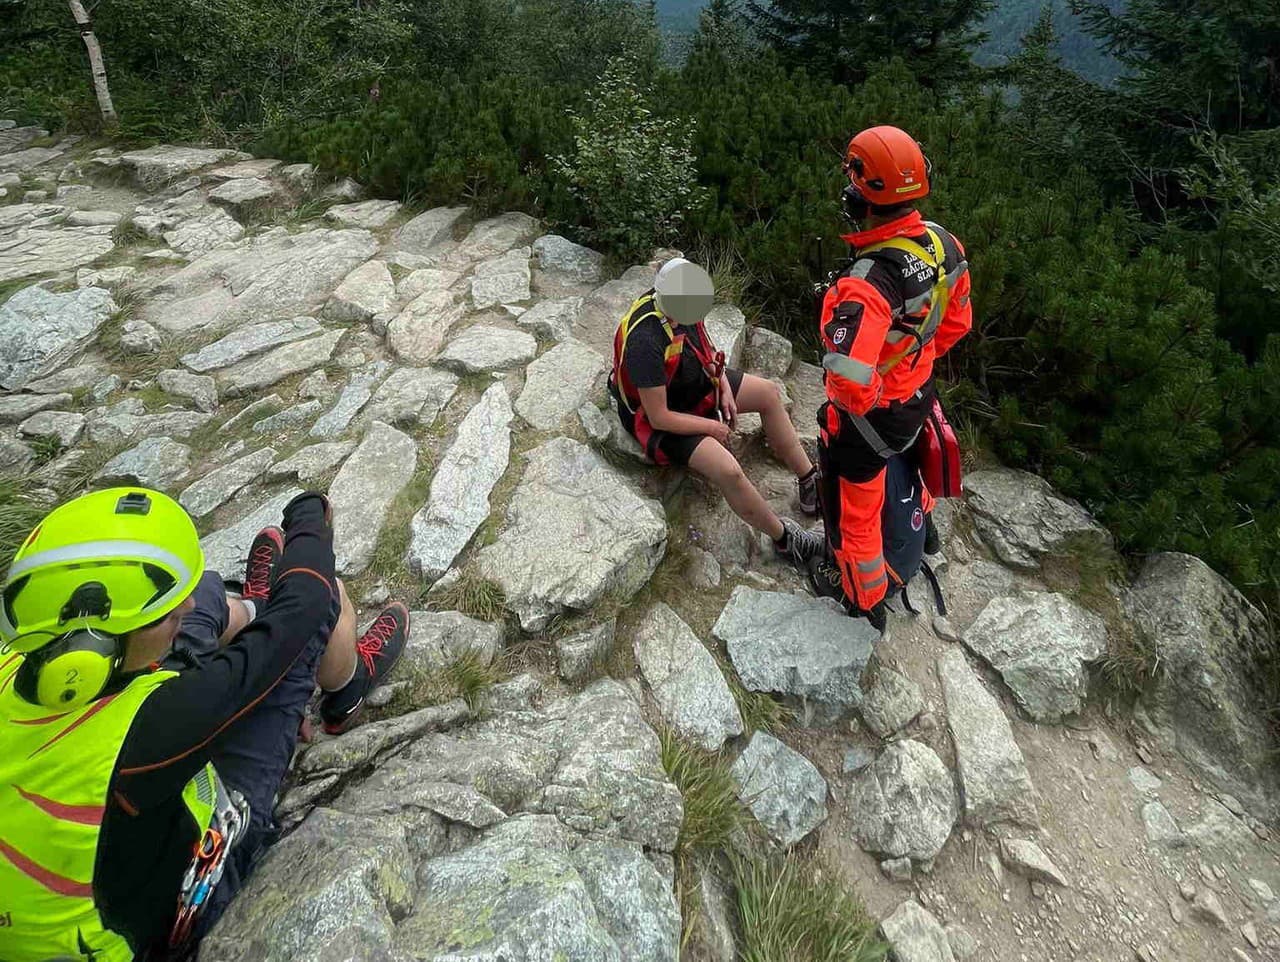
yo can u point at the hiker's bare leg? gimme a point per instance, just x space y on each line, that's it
237 619
763 397
338 663
718 465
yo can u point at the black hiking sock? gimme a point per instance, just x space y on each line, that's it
809 474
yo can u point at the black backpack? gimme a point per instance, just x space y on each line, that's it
902 525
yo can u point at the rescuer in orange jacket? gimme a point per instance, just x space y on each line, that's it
901 304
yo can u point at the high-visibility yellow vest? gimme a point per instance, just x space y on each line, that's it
55 769
924 317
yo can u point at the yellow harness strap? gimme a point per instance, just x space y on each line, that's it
939 296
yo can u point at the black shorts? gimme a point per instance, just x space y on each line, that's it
675 448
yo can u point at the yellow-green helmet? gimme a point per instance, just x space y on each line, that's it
113 561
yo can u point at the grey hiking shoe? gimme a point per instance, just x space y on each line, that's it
808 493
827 583
799 545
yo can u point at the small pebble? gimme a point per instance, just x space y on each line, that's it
1250 933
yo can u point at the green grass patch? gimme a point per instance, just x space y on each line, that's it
46 446
128 234
471 677
19 514
388 562
794 908
712 813
760 711
473 595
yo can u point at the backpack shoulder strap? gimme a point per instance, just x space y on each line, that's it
932 577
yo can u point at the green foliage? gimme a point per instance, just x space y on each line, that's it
795 909
843 39
712 813
471 677
760 711
632 171
470 594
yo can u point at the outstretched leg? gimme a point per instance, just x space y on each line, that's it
717 464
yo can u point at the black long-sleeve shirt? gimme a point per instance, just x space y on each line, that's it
147 834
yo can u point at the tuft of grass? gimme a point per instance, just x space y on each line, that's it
472 595
760 711
19 514
471 677
128 234
46 447
388 562
794 908
712 813
1131 664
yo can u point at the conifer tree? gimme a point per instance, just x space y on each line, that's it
842 39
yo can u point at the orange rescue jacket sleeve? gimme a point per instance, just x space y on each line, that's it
855 322
958 320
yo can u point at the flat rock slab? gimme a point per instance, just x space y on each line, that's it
482 348
154 463
904 803
19 407
353 397
245 193
222 484
797 646
417 332
575 530
65 426
250 341
412 396
276 275
551 319
363 491
438 639
686 683
200 389
495 236
1214 649
559 382
994 783
890 701
768 354
25 252
605 306
1022 518
40 331
501 280
1041 644
1029 860
157 167
369 214
270 368
562 257
428 229
226 550
580 654
257 167
365 292
916 935
786 794
312 462
459 500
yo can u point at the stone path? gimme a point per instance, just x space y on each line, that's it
169 319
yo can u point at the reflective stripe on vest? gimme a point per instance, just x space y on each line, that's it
55 771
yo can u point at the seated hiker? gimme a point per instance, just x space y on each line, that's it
678 400
900 304
115 771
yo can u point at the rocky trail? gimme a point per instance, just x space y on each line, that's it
232 329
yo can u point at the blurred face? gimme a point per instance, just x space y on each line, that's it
152 643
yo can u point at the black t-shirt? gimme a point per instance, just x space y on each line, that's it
646 365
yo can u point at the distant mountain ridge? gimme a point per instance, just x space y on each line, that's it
1007 24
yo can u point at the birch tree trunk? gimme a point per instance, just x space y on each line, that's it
95 62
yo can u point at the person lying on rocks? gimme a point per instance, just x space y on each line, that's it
148 717
677 398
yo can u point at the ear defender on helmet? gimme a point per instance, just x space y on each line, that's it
70 672
853 204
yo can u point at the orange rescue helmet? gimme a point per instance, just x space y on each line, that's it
887 166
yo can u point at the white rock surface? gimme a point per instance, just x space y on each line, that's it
267 369
66 426
1041 644
154 463
563 258
226 550
551 319
483 348
313 462
200 389
916 935
459 500
904 804
222 484
369 214
501 280
428 229
686 683
366 291
40 331
559 382
575 530
1022 518
786 794
363 491
250 341
412 396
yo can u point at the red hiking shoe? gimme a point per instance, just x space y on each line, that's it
377 652
260 569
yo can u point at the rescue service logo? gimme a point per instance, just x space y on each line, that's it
917 519
840 334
